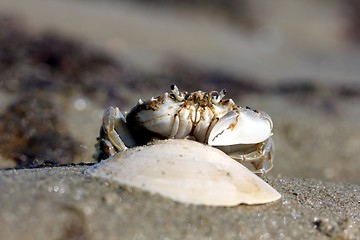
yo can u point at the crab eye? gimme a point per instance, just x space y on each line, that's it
178 95
214 95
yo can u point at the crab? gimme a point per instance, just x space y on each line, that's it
207 117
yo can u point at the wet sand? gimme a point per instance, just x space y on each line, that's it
288 43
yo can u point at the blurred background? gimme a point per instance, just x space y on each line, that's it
63 62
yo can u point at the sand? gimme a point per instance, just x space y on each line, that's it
63 203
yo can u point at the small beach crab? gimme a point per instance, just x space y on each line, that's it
207 117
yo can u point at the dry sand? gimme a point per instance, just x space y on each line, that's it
63 203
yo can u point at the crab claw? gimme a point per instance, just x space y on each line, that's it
241 127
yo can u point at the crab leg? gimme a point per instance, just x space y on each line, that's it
114 121
261 158
107 147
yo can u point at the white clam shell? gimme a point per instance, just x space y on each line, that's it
186 171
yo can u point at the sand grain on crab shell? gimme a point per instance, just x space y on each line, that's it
188 172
